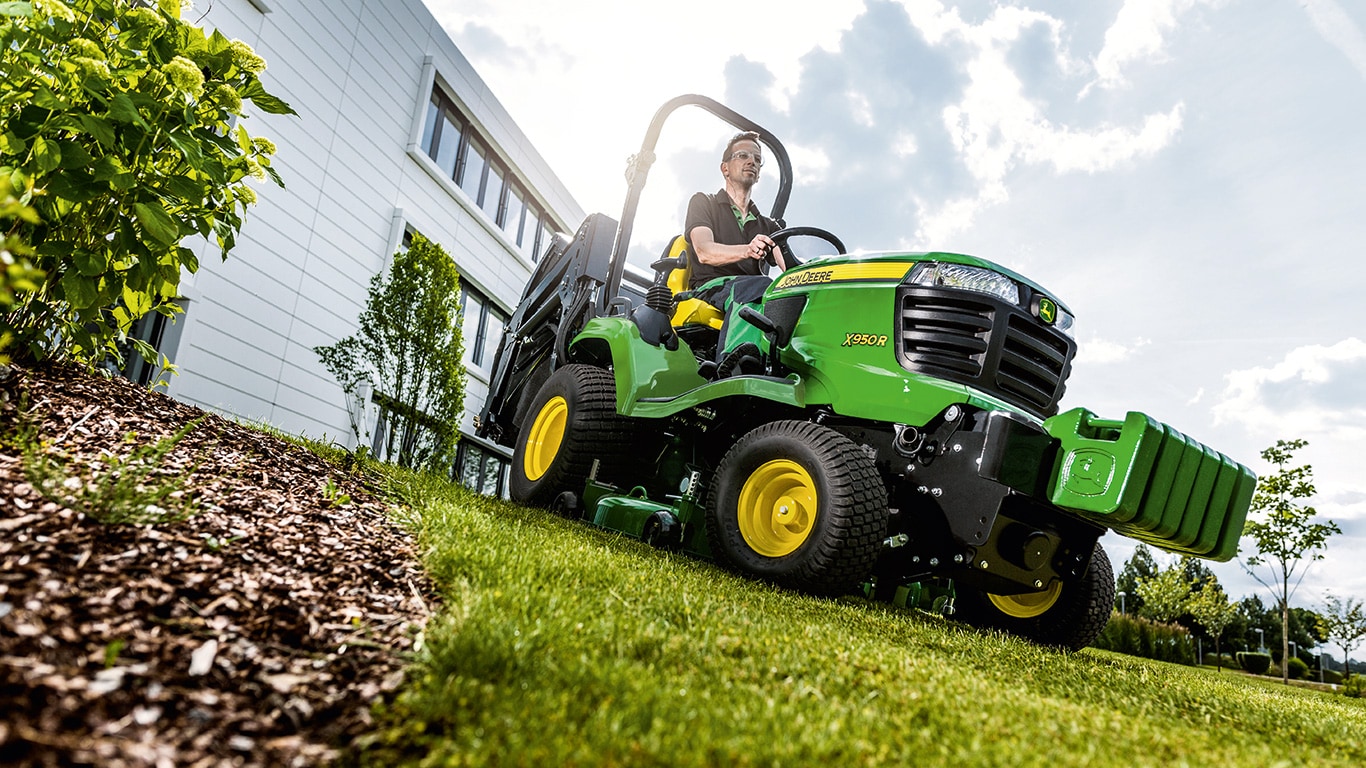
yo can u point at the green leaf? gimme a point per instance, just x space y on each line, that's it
157 222
80 291
46 154
16 9
46 99
91 263
273 105
10 144
121 110
74 155
76 186
99 128
139 303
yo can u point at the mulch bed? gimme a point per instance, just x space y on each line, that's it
259 631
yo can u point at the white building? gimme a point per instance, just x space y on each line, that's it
396 133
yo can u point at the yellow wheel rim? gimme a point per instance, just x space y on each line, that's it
544 438
777 508
1029 605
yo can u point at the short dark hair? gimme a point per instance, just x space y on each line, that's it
736 139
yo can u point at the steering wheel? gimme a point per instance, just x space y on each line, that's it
781 237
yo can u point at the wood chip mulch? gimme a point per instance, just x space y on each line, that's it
259 631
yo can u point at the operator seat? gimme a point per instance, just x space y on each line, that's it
688 311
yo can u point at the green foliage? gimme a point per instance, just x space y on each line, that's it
1355 687
1332 677
1344 623
408 350
135 490
117 142
1286 536
17 273
1164 595
1138 636
1212 609
333 496
1256 663
1296 668
1141 565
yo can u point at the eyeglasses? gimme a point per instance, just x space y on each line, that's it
745 154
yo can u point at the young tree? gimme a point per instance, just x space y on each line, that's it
1164 595
1213 610
1343 622
116 131
1140 565
407 349
1286 537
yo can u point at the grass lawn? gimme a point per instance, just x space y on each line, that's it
561 644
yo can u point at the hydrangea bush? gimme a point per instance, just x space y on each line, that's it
120 137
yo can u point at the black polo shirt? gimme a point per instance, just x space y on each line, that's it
717 213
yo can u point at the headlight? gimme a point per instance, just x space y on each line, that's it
967 278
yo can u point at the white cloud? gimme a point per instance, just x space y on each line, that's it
1138 34
1314 391
1333 23
996 127
1098 351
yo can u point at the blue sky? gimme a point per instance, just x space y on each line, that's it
1188 175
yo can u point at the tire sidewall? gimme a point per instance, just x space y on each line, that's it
543 490
808 566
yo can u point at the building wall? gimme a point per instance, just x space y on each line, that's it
360 74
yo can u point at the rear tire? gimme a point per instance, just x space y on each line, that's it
1066 615
800 505
571 421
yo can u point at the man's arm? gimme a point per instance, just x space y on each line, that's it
713 253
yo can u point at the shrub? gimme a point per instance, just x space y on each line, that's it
1297 669
117 142
1256 663
1332 677
1137 636
1355 687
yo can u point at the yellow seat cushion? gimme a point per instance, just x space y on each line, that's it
689 311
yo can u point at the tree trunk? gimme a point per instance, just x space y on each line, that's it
1285 635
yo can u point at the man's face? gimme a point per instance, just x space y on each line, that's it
745 161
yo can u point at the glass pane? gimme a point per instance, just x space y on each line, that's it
493 476
470 474
527 238
493 333
469 326
473 175
493 192
543 241
512 221
429 126
450 141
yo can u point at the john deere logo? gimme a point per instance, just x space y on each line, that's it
1048 311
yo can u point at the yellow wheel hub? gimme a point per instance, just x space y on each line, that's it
544 438
1029 605
777 508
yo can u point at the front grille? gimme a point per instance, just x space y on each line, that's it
983 342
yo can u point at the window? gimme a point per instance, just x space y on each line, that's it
452 142
479 469
157 330
481 327
512 221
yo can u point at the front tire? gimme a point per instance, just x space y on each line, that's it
571 421
800 505
1065 615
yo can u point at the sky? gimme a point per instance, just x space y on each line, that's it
1188 176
